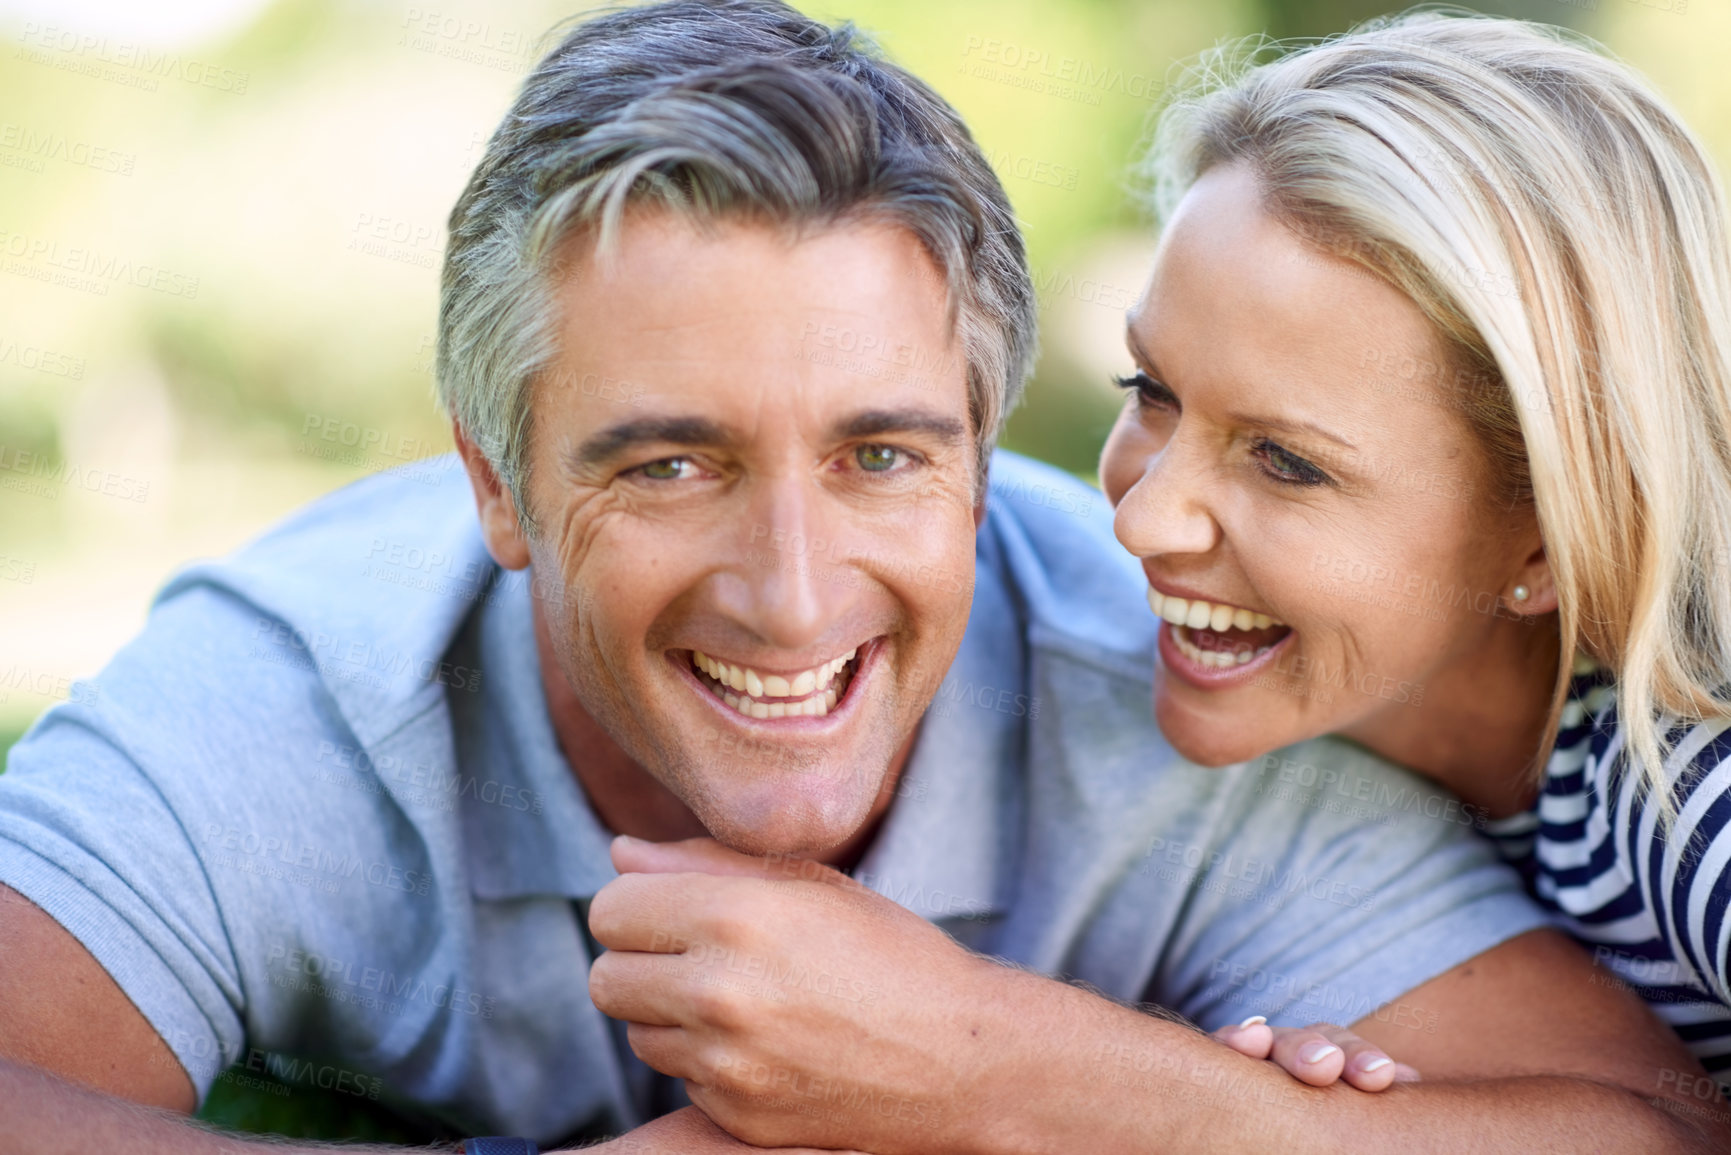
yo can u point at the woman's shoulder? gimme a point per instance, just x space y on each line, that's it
1694 749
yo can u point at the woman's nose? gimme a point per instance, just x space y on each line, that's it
1167 510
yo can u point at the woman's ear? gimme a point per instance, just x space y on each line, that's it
499 526
1534 581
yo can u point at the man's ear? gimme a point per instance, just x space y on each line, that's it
980 501
499 527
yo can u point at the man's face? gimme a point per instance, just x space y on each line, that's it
753 473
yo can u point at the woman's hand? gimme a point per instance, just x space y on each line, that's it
1320 1054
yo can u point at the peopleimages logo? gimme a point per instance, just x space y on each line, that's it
1247 879
37 146
366 661
344 981
40 360
122 61
1053 74
87 268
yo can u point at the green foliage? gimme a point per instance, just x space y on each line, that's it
1309 18
262 1105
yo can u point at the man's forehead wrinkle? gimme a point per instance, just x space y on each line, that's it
727 317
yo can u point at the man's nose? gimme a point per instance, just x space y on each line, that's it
792 582
1168 511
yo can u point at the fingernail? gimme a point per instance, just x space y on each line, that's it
1375 1064
1253 1021
1317 1052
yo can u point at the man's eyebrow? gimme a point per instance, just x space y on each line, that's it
877 422
1276 423
608 443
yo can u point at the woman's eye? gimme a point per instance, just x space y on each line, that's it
1288 467
1150 394
668 469
877 458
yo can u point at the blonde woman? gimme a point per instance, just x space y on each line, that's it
1428 444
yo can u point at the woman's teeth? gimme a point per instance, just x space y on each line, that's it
814 687
1200 615
1186 614
1213 659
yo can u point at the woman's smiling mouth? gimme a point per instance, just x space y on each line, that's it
1208 641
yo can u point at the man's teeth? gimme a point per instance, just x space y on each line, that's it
818 696
1201 615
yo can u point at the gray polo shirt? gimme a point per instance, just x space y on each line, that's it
317 808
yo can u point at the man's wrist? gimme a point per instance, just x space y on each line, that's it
1021 1034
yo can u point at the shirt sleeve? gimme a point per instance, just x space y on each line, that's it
1334 884
133 892
117 809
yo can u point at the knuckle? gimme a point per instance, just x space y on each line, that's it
601 981
717 1006
607 910
724 919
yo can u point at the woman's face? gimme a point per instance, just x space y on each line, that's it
1311 508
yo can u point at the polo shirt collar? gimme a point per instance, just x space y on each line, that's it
948 846
558 846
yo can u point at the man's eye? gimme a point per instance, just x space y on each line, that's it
667 469
1287 467
878 458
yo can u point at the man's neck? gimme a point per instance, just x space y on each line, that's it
628 799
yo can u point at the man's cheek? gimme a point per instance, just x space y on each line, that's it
584 523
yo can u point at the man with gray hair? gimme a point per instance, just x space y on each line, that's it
731 316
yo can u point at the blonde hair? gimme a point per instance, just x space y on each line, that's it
1566 235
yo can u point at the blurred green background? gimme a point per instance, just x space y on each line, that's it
221 224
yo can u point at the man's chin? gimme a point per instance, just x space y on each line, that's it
793 823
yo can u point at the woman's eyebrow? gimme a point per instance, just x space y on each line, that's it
1277 423
1287 425
1141 354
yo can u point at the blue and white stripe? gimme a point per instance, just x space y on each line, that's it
1649 902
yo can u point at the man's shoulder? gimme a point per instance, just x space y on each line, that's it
1332 788
363 589
1048 536
418 518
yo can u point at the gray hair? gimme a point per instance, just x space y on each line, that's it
715 108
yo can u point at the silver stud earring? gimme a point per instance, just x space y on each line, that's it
1522 593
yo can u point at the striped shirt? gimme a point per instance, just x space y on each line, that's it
1650 904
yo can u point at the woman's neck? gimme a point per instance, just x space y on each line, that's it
1482 721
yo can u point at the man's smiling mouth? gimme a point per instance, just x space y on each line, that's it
809 693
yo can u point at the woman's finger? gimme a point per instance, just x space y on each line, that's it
1253 1038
